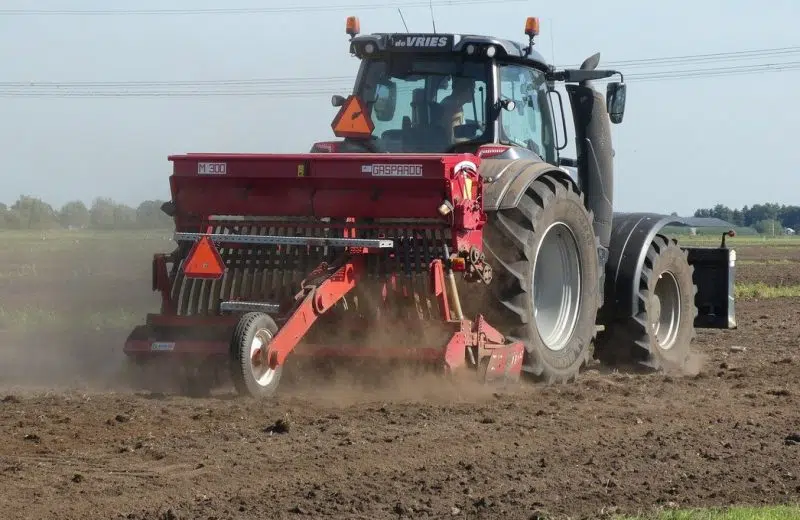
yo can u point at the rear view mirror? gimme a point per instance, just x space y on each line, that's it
615 101
385 101
508 104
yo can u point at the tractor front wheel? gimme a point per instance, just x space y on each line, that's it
660 335
250 375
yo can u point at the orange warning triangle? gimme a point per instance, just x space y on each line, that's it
352 120
204 261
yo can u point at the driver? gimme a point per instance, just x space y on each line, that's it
453 105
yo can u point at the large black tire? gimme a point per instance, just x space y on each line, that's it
252 326
550 207
659 337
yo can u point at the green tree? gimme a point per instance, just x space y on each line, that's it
12 219
9 218
150 216
738 217
124 217
769 227
34 213
101 214
790 216
74 214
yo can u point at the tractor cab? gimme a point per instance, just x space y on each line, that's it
450 93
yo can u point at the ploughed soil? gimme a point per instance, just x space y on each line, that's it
780 252
77 444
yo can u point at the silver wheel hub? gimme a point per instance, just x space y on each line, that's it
665 310
261 371
557 286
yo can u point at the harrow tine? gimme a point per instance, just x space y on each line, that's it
416 285
258 270
246 269
268 280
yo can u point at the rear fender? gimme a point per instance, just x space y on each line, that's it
507 179
714 271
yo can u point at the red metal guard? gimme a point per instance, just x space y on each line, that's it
316 299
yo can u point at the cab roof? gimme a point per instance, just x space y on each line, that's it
424 43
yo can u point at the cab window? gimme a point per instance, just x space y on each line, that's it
529 125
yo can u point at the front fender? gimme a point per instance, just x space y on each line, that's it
631 234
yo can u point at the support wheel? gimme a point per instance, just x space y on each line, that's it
250 376
546 277
659 337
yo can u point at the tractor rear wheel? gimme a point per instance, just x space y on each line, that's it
250 377
659 336
544 258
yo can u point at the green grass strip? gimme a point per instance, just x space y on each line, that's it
761 291
733 513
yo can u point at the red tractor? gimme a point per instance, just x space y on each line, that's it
445 218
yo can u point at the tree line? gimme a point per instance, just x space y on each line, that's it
769 218
106 214
102 214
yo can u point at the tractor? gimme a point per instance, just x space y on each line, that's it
443 226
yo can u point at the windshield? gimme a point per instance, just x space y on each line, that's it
425 104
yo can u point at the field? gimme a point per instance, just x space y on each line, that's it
78 444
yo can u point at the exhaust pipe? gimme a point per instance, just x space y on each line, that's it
595 151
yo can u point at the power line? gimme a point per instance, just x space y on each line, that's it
701 58
309 86
168 83
168 94
328 88
245 10
712 73
755 53
764 67
287 81
333 88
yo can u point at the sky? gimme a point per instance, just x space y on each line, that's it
684 143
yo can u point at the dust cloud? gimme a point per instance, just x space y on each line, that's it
65 316
695 365
60 360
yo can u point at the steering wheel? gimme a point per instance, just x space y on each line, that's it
369 144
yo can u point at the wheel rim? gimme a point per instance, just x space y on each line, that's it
667 311
261 372
557 286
